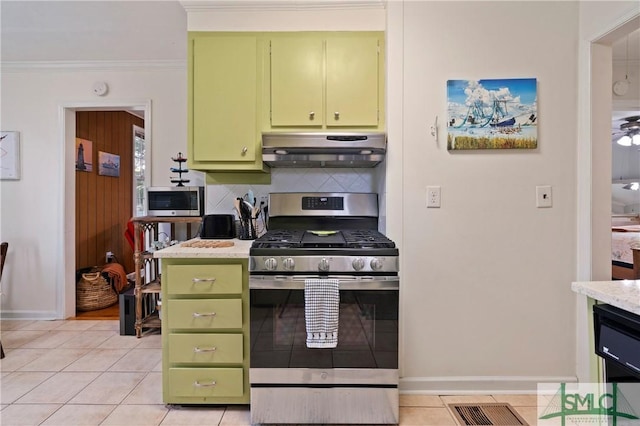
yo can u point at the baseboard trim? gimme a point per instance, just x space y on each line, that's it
474 385
30 315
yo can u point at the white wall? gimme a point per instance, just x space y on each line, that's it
32 208
485 278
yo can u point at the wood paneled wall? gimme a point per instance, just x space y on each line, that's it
104 204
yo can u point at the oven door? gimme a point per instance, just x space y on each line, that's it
367 328
354 383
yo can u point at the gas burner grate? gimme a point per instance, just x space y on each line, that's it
299 239
365 238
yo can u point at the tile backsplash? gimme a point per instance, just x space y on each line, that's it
220 198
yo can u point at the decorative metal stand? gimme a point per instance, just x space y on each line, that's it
179 170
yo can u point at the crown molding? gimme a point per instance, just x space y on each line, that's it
15 66
253 5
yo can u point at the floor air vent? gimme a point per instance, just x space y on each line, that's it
486 414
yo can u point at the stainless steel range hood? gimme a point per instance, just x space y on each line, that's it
323 149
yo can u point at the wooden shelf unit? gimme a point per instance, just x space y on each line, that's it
146 231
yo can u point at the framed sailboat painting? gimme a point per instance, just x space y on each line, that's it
492 114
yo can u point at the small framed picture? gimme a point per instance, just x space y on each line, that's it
84 155
108 164
10 155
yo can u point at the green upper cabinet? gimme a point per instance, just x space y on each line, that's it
243 83
352 81
224 83
326 79
297 74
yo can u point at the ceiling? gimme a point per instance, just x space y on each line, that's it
626 60
93 31
626 160
127 30
627 47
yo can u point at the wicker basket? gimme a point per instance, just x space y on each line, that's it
94 292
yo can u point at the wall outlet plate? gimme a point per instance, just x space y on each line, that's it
433 197
543 196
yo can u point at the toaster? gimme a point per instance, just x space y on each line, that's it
218 226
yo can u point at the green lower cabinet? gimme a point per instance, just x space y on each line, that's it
206 382
205 331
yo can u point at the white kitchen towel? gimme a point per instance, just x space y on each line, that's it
321 311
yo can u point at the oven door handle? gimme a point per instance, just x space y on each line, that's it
346 282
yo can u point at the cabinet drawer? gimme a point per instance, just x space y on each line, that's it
204 382
204 279
204 314
205 348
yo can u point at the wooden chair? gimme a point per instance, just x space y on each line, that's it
4 247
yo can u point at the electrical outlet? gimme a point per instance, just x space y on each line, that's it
108 257
264 199
433 196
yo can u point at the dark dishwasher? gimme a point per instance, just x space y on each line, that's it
617 341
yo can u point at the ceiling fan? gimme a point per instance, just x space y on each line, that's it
629 133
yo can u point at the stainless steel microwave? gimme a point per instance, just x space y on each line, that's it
175 201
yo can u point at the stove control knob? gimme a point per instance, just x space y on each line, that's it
288 264
376 264
358 264
271 264
324 264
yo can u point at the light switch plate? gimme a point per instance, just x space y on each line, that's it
543 196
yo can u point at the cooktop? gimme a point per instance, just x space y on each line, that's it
301 239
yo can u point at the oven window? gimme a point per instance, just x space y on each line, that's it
367 331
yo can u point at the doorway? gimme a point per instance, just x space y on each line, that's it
105 172
624 122
66 305
594 168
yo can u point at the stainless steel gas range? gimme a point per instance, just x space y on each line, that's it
324 239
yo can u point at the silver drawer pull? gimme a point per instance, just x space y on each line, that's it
204 385
205 314
198 350
203 280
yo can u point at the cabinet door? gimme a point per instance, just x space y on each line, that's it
224 98
352 81
297 81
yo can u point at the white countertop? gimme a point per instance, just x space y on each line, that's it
240 249
624 294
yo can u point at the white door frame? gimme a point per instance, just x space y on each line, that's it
593 244
66 292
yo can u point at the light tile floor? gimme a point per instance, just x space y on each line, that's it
84 373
